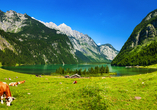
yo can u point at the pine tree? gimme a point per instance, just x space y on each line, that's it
80 71
107 69
102 70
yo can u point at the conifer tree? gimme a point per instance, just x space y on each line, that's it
107 69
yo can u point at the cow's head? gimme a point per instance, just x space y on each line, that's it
9 100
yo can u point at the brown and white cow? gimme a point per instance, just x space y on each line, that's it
13 84
20 82
5 93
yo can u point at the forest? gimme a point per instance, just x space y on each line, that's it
32 50
86 72
147 56
140 51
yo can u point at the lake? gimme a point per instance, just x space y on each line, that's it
48 69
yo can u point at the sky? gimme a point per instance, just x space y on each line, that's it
105 21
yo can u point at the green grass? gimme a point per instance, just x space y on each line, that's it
93 93
153 66
150 66
0 64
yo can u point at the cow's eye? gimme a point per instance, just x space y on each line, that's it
9 99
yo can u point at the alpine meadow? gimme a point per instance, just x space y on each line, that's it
27 42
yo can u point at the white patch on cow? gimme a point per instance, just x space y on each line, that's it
8 103
12 84
10 99
4 82
2 99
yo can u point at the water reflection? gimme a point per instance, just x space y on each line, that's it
48 69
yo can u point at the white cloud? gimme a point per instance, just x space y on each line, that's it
99 44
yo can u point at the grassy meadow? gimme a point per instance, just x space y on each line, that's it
137 92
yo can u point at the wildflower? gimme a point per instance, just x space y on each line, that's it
137 98
74 82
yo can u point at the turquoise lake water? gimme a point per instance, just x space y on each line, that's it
48 69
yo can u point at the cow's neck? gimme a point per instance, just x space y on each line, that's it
8 93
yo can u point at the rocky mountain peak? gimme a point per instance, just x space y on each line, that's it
65 29
109 45
64 25
10 13
47 44
25 39
1 12
51 25
151 15
140 48
109 51
83 43
12 21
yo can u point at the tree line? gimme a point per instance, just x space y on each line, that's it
147 56
33 48
90 71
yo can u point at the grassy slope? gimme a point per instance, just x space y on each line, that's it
150 66
57 93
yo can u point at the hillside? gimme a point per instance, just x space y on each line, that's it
31 42
99 93
25 40
85 45
109 51
141 46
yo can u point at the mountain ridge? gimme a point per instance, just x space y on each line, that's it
29 41
77 38
34 43
138 49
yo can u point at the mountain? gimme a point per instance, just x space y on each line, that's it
141 46
109 51
24 40
85 47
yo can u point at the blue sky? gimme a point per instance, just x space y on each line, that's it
105 21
